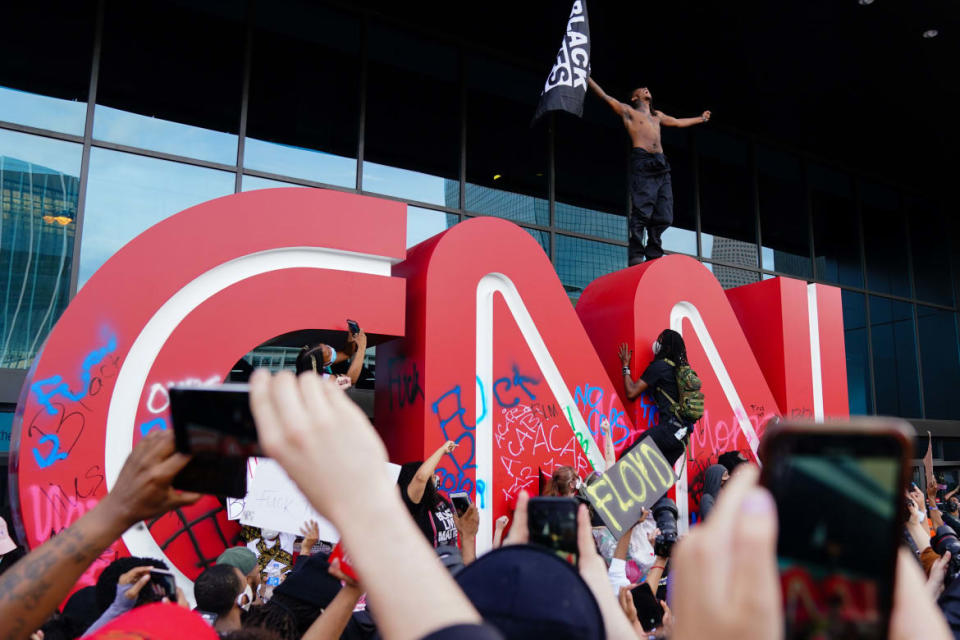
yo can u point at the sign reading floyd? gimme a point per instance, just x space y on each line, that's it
640 478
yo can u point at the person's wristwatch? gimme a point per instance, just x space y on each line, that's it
626 370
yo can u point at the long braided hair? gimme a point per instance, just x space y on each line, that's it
672 347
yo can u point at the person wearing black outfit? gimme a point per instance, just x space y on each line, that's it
659 378
431 511
651 192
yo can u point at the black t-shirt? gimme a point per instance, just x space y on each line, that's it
660 375
437 524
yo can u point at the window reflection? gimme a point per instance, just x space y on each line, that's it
126 194
171 78
783 214
580 262
726 203
44 112
836 230
426 223
252 183
894 358
506 157
45 55
412 118
114 125
305 95
885 240
940 360
729 277
292 161
855 341
930 238
38 211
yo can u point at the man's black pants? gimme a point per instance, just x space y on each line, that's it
651 211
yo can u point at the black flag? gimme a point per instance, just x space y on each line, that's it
566 85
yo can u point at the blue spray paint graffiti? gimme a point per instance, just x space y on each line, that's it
482 493
62 388
518 381
458 482
55 454
156 423
590 402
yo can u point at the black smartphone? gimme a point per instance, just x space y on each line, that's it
354 327
839 490
552 523
649 610
162 585
214 425
461 502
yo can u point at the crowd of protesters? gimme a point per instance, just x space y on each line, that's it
414 554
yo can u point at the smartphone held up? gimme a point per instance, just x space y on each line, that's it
839 490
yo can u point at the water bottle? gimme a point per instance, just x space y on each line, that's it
272 580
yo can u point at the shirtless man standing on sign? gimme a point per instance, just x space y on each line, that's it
651 193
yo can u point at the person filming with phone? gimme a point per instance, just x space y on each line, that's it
321 357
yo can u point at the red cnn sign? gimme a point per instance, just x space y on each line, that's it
477 343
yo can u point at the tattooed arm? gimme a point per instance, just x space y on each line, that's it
32 588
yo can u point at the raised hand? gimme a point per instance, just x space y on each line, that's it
625 354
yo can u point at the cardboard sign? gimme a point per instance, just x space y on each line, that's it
273 501
640 478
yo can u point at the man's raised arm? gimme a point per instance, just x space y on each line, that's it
670 121
615 104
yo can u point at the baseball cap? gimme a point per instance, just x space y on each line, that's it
239 557
160 621
6 542
528 592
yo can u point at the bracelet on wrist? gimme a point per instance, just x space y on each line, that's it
626 370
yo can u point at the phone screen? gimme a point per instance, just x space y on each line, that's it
353 326
839 506
162 585
553 524
461 502
649 611
214 425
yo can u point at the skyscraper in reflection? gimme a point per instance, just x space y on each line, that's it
38 212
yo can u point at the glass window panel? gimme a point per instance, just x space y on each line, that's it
305 96
894 358
542 237
38 210
6 426
726 199
580 262
930 239
180 95
940 359
855 341
730 277
252 183
127 193
783 214
506 157
412 136
426 223
45 55
836 232
591 171
884 236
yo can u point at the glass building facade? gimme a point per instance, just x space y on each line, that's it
110 126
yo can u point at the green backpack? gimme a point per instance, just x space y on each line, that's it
689 408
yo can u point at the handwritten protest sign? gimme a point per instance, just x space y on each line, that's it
640 478
273 501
